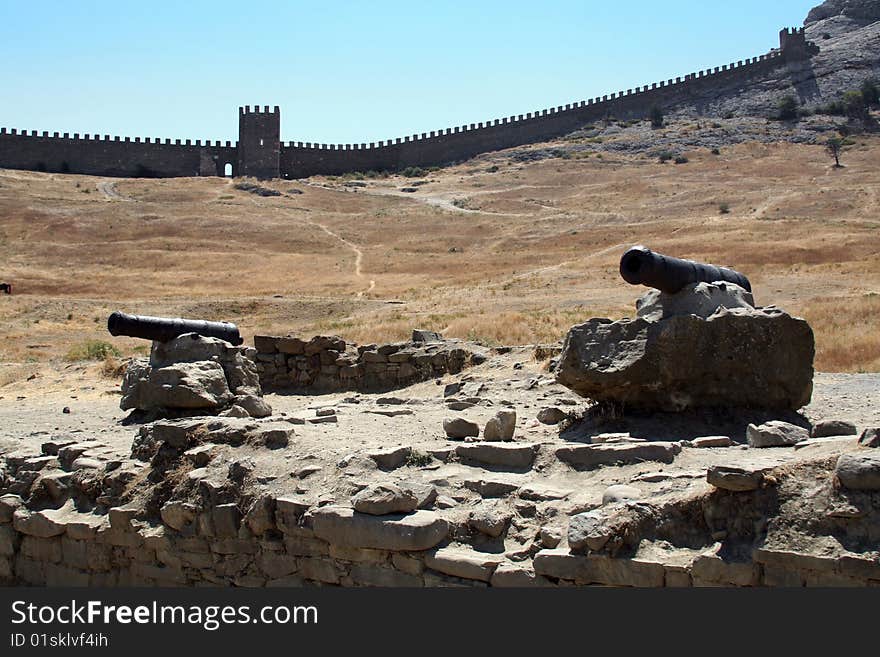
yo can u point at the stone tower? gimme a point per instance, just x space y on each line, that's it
794 45
259 142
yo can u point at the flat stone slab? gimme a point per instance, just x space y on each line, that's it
537 492
494 487
594 456
734 479
421 530
517 455
389 459
464 562
656 477
712 441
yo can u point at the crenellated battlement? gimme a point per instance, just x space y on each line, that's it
794 45
259 151
256 110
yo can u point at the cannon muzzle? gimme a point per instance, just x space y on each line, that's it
641 266
163 329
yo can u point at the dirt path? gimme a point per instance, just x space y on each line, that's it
358 253
108 189
442 200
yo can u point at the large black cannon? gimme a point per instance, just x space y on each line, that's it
641 266
163 329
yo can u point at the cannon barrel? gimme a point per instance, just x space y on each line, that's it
641 266
163 329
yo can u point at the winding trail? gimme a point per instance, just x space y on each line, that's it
358 253
108 189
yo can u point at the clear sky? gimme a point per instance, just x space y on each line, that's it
345 71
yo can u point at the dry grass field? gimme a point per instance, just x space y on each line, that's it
493 249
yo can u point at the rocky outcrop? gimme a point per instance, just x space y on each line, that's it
702 347
329 364
194 375
861 12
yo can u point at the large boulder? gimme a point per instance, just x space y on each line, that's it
200 385
237 362
192 374
702 347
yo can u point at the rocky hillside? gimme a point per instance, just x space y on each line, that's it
840 16
848 35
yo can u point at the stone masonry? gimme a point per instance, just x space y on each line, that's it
329 364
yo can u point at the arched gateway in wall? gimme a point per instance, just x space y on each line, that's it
259 151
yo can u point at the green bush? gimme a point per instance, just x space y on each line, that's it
787 109
413 172
418 459
724 208
92 350
871 92
681 159
656 116
665 156
855 105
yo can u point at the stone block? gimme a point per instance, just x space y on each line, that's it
510 575
42 524
421 530
709 569
735 479
407 564
366 574
8 505
361 555
41 549
599 569
306 546
226 520
515 455
319 570
594 456
463 562
30 572
779 576
9 541
61 575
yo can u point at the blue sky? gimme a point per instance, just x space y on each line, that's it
350 71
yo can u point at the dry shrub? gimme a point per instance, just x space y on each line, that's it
112 367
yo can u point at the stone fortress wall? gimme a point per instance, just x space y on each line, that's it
260 153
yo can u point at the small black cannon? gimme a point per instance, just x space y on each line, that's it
641 266
163 329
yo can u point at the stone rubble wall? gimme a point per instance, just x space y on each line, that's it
279 542
329 364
